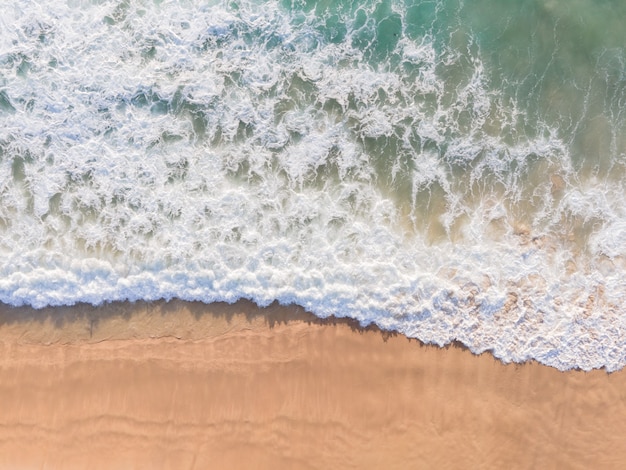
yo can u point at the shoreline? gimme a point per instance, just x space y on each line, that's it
191 385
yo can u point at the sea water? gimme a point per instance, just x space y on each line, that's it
452 170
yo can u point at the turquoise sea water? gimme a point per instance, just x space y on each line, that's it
451 170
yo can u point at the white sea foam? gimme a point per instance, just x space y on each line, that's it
154 151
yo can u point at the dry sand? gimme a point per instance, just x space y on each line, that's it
181 386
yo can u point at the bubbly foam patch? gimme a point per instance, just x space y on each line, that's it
364 160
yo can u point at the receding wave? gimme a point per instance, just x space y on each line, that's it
450 171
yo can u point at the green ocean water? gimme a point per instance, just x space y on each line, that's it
507 75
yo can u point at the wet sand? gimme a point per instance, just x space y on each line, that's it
190 386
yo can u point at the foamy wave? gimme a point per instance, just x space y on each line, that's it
357 169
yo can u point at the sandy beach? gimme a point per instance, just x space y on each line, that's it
191 386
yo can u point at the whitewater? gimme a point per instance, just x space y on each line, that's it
453 171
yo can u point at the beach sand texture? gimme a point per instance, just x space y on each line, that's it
192 386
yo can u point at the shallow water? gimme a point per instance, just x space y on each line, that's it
451 170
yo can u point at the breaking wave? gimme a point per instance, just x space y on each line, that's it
449 173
